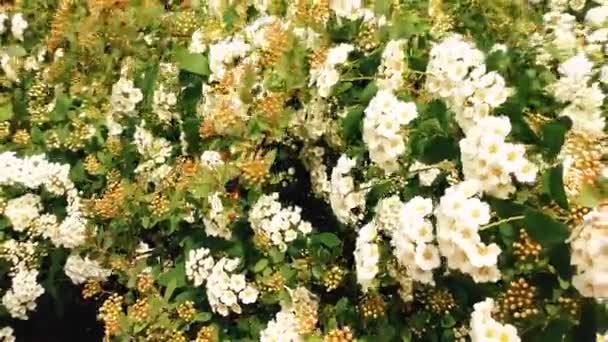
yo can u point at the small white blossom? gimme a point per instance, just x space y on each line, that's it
281 224
21 297
18 26
485 328
81 270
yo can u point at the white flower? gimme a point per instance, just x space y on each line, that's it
249 295
196 42
346 8
481 255
22 295
81 270
384 117
22 211
489 160
338 54
393 65
596 16
211 159
281 225
427 257
485 329
283 328
367 255
459 218
18 26
327 74
198 265
125 96
224 53
225 287
6 335
577 67
413 240
589 254
457 74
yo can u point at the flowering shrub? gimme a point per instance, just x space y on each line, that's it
415 170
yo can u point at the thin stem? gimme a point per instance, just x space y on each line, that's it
357 78
499 222
426 168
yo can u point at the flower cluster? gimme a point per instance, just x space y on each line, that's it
24 214
154 150
491 161
460 216
457 73
23 211
165 96
367 255
172 157
125 96
81 270
384 118
589 254
198 265
280 225
226 288
217 220
584 99
223 54
346 202
486 328
413 240
295 320
393 65
6 335
21 297
326 74
313 159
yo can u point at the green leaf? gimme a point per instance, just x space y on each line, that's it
6 111
588 197
368 92
62 106
192 62
559 257
555 330
351 125
506 208
276 255
15 51
437 149
260 265
554 135
507 233
381 7
553 182
447 321
377 192
544 229
342 30
328 239
170 288
202 317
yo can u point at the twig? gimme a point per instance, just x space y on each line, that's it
499 222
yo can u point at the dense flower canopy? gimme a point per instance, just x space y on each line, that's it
308 170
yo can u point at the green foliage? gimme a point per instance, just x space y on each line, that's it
208 167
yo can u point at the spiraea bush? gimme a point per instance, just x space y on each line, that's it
307 170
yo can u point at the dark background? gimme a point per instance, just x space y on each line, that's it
72 320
